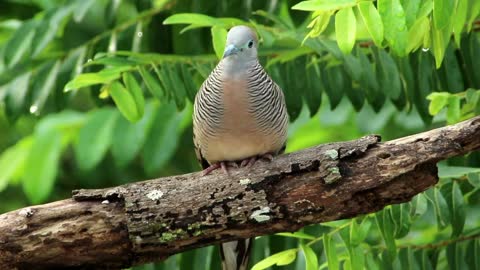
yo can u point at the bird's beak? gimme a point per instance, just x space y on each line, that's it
229 50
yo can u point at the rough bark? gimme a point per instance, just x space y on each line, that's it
150 220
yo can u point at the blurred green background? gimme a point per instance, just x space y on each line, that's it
99 93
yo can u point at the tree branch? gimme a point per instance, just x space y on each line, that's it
151 220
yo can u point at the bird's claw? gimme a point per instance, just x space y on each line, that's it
248 162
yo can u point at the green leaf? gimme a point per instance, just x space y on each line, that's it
47 29
162 140
17 95
152 84
335 83
474 179
471 257
411 8
190 18
44 84
330 252
454 256
299 235
313 91
190 87
421 205
445 171
474 12
438 100
219 37
458 210
124 101
453 111
201 20
417 33
319 23
440 40
42 165
13 161
89 79
372 21
394 23
358 233
345 29
442 13
311 260
401 218
441 209
460 20
170 77
81 8
387 74
18 45
386 227
324 5
281 258
133 133
94 138
136 91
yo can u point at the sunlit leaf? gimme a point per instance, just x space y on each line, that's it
442 13
331 252
460 19
324 5
135 90
299 235
417 33
345 29
311 259
453 111
282 258
124 101
394 23
438 100
89 79
372 21
219 37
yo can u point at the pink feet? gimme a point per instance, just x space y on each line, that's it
248 162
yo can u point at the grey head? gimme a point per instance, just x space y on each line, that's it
242 44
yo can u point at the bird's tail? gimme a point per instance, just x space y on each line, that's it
235 254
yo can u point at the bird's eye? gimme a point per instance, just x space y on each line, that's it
250 44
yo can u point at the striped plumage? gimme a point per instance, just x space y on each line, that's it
239 115
235 119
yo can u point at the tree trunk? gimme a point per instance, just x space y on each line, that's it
151 220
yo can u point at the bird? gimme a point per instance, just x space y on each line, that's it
239 116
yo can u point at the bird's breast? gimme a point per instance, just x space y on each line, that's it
239 135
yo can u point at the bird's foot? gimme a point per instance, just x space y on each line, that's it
250 161
223 165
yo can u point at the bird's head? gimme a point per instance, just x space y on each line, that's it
241 43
